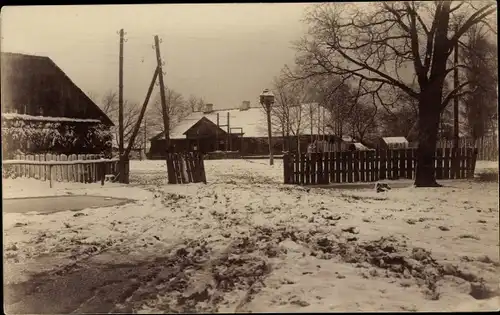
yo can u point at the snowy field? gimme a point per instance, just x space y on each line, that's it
246 242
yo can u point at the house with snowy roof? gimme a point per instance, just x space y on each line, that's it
44 111
243 130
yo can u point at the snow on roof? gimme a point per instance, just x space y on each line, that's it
11 116
360 146
394 140
253 121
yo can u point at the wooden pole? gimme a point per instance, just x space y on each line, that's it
166 120
120 108
141 114
269 135
228 137
455 100
455 110
217 135
145 138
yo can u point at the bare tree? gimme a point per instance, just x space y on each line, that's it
287 112
400 119
195 103
386 47
177 109
335 96
109 105
480 106
362 119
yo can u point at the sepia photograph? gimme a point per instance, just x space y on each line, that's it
250 157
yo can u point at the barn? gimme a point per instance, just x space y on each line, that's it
242 130
44 111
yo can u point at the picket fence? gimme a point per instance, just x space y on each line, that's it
183 168
369 166
84 168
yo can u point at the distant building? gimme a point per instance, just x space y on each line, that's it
44 111
387 143
243 129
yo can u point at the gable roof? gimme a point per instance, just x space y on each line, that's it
207 121
36 86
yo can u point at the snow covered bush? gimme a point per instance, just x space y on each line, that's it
37 136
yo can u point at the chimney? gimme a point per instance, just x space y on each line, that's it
208 108
245 105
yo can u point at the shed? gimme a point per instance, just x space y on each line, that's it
387 143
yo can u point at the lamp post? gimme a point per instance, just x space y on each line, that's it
267 100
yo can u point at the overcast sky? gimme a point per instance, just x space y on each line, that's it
225 53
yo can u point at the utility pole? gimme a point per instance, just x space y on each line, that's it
454 162
166 119
455 100
121 165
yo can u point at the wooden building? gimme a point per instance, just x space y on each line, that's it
242 130
44 111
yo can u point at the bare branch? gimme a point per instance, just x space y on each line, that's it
475 18
453 93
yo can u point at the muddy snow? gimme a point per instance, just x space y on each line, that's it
244 242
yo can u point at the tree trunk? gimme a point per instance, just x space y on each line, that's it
428 122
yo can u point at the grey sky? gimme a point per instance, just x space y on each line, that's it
226 53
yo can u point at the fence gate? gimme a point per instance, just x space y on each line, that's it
183 168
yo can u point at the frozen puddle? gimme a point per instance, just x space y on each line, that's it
52 204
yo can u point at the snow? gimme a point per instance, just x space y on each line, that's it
10 116
360 146
245 202
29 188
389 140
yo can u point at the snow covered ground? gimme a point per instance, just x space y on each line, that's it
246 242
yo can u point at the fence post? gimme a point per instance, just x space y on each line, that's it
50 176
382 154
285 168
102 172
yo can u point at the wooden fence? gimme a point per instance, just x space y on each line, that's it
487 146
84 168
369 166
186 168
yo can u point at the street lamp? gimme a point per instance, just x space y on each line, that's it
267 100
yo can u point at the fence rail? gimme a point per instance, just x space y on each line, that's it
369 166
84 168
